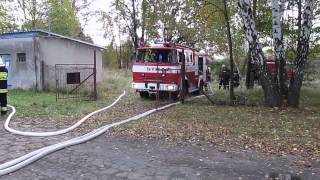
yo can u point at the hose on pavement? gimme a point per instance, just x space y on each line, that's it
33 156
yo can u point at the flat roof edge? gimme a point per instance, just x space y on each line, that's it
34 33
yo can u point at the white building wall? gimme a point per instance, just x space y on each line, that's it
60 51
42 53
21 74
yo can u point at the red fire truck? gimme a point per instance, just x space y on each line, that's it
271 66
158 69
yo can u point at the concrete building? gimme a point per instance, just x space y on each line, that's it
31 57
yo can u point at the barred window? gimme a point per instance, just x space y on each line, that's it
73 78
21 57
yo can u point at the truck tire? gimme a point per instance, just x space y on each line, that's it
200 89
144 94
174 96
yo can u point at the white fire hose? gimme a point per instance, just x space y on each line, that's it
54 133
29 158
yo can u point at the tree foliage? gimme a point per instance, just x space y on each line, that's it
62 18
6 21
59 16
195 23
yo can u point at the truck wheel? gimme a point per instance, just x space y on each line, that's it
144 94
200 89
174 96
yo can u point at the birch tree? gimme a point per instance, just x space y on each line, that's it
271 93
274 87
302 53
279 51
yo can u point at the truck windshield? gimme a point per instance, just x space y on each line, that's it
155 55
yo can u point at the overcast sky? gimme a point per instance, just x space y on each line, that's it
95 28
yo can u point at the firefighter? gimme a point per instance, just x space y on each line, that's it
147 57
236 78
224 77
150 56
3 87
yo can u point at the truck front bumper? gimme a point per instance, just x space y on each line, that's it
152 87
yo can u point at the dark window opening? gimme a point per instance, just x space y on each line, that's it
180 56
155 55
200 65
21 57
73 78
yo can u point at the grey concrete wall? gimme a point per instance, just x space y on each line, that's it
42 53
60 51
23 74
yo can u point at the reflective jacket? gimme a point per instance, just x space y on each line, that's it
3 80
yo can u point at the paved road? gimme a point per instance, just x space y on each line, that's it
109 157
13 146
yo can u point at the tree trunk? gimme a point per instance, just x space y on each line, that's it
250 75
302 54
118 53
294 90
33 14
226 16
143 23
135 24
271 91
277 21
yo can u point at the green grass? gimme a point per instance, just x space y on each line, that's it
31 104
275 130
310 95
267 129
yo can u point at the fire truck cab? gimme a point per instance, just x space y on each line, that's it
158 69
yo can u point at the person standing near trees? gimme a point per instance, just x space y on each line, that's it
224 77
236 78
3 87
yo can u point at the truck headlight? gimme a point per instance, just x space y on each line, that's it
134 85
170 87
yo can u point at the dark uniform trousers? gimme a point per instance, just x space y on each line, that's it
224 79
3 102
3 89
